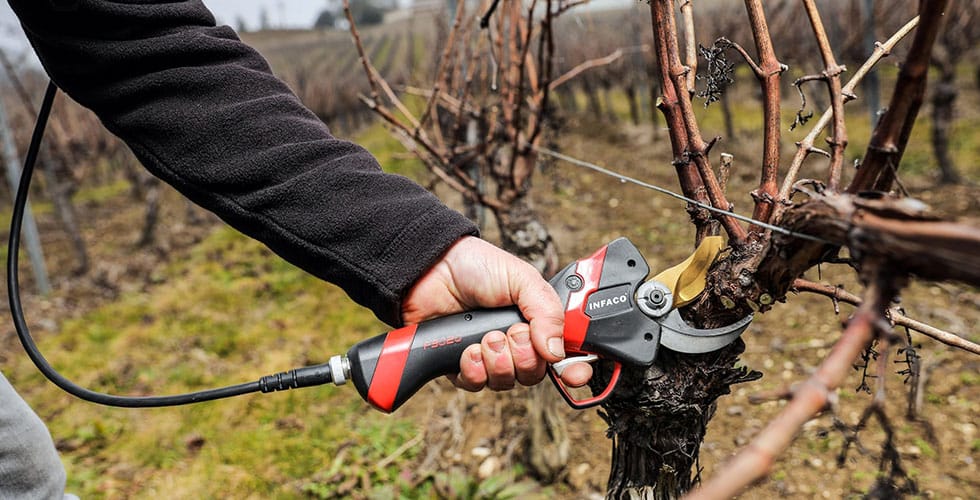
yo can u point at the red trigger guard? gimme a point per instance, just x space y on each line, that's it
581 404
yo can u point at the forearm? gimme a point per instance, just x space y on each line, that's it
203 111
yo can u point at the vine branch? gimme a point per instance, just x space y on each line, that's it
809 399
838 294
769 73
831 75
880 166
805 146
688 145
690 44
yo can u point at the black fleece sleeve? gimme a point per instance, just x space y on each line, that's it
203 111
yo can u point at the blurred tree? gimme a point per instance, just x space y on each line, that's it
368 12
263 19
326 20
240 25
872 86
958 40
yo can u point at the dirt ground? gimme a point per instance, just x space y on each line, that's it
481 433
939 446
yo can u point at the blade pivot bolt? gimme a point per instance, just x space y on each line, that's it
655 299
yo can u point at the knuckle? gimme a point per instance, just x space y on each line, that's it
526 360
501 385
556 321
468 383
528 379
501 372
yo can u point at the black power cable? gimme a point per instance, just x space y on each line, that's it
292 379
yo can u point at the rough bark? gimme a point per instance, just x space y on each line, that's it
658 416
548 443
523 234
899 234
902 232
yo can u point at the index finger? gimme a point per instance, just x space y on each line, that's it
540 305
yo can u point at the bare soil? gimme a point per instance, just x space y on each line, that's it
939 446
483 433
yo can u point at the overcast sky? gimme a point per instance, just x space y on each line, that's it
285 13
281 13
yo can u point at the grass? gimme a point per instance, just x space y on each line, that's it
216 322
230 311
100 194
382 53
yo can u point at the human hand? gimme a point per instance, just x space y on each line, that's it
475 274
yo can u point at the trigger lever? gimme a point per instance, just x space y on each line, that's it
560 366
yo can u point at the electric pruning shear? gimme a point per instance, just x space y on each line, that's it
611 313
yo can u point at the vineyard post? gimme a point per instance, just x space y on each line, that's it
31 236
54 159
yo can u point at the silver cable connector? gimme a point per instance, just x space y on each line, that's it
339 369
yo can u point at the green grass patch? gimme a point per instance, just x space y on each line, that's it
227 312
103 193
970 378
230 312
927 449
382 54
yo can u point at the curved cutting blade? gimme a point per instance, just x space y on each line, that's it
678 336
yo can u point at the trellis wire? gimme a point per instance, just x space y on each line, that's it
665 191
